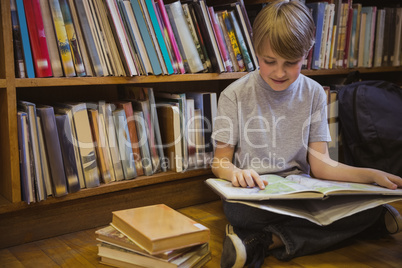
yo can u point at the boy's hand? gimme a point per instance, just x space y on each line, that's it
386 179
247 178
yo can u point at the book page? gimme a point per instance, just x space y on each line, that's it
336 187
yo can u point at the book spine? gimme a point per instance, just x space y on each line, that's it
26 45
233 40
17 42
143 142
72 38
62 39
37 37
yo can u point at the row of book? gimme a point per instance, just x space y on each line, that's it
68 38
65 147
153 236
350 35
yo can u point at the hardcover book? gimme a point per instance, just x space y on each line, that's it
159 228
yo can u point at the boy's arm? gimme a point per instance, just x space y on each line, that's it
323 167
223 168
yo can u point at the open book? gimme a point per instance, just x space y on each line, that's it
296 187
305 197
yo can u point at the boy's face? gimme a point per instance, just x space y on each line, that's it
278 72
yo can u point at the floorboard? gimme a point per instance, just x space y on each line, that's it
79 249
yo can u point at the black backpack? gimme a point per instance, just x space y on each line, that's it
370 115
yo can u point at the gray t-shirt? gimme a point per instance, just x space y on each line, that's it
271 129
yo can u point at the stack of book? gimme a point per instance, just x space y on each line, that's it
153 236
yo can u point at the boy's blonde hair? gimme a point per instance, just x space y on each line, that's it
287 26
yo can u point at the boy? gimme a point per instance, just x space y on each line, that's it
273 120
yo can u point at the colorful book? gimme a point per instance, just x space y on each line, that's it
159 228
159 36
233 40
72 38
224 52
171 36
62 39
40 53
19 61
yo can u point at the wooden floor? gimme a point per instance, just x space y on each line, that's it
79 249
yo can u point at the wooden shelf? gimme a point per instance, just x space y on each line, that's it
80 81
112 187
3 83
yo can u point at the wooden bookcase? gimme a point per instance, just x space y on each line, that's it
88 208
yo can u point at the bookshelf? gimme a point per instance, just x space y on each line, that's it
89 208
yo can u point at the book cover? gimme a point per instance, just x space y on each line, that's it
227 41
342 28
159 228
132 130
169 122
37 38
68 152
62 39
379 39
368 11
318 17
30 109
72 38
26 44
124 142
156 66
27 178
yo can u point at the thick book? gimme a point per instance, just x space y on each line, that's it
112 236
68 151
297 187
37 38
143 142
45 163
159 228
120 257
53 149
